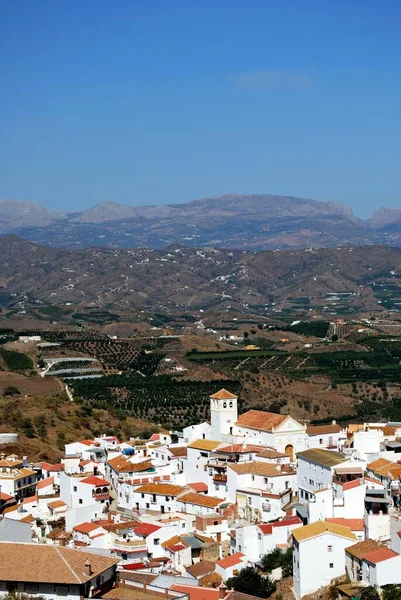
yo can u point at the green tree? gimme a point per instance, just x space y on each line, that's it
60 440
287 562
249 579
272 560
370 593
28 428
391 592
11 390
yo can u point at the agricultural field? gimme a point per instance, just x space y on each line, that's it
29 386
163 400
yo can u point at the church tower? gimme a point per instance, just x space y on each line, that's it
224 414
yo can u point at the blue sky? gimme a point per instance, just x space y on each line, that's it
148 101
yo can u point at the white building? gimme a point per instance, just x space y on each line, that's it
261 489
331 437
319 555
223 414
86 491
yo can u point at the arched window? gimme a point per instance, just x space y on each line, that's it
224 404
231 404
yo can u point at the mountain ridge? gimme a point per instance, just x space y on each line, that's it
247 221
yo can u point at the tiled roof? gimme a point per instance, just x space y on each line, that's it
323 429
230 561
380 555
145 529
321 456
258 419
121 526
89 443
271 453
24 472
261 468
56 504
5 497
320 527
122 465
49 467
45 563
178 451
176 540
287 521
242 448
30 499
353 524
43 483
197 592
201 568
201 500
223 395
385 468
355 483
362 549
208 445
86 527
93 480
166 489
266 528
198 486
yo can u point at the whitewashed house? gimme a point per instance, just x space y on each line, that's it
318 555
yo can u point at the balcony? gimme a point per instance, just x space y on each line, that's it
266 507
101 494
220 477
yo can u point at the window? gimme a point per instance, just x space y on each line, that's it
253 477
156 541
249 500
153 497
302 493
80 501
75 488
259 536
329 548
224 404
265 479
239 548
311 482
287 485
321 441
231 404
331 565
142 495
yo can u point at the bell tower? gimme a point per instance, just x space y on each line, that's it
223 414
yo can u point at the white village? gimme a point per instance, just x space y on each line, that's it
184 513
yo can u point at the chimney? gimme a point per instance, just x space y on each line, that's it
222 591
334 422
62 541
88 569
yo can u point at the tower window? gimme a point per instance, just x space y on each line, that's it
231 404
224 404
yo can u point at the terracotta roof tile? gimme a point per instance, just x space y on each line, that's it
43 483
56 504
223 395
121 465
97 481
261 468
362 549
201 500
146 529
380 555
323 429
231 561
86 527
198 486
166 489
31 562
208 445
258 419
353 524
320 527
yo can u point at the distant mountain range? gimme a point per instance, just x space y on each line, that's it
341 280
241 221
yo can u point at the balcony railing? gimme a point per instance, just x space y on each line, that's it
100 495
220 477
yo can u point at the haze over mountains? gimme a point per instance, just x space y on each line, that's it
241 221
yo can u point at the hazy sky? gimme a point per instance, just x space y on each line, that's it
148 101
